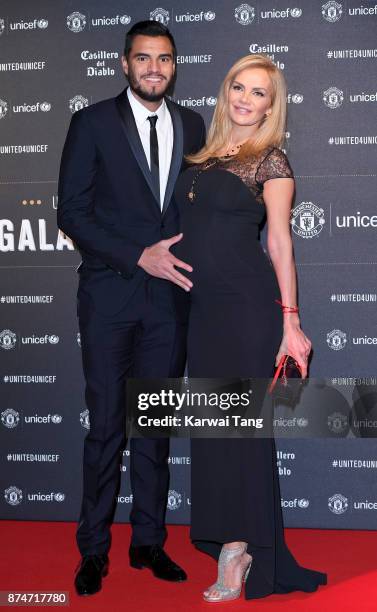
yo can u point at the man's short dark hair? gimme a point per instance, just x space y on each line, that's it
148 28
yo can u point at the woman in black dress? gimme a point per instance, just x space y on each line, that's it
236 327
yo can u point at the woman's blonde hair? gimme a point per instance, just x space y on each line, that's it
271 131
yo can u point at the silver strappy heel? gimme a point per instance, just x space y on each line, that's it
227 593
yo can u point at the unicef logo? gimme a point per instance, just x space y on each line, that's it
78 338
307 220
338 504
125 19
7 339
297 98
337 422
42 24
302 422
333 97
84 419
296 12
45 107
13 496
244 14
59 497
332 11
2 26
56 418
53 339
10 418
303 503
209 16
76 22
159 14
336 339
174 500
211 101
3 108
77 103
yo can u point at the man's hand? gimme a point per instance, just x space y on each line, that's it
158 261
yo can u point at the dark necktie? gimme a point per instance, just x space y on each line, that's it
155 171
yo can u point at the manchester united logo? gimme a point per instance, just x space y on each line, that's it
76 22
307 220
7 339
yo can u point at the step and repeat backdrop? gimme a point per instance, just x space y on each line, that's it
56 58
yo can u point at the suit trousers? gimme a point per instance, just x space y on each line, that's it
145 339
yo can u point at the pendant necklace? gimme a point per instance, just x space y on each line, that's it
212 161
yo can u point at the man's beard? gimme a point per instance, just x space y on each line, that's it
148 96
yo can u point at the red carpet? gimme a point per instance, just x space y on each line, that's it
42 556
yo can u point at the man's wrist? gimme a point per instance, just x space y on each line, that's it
139 261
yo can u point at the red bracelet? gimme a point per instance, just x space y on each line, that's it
287 309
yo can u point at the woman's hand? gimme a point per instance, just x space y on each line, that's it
296 344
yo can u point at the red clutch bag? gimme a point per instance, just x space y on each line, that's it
286 369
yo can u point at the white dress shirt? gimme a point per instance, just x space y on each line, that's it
165 136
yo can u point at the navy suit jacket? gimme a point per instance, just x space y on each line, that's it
107 204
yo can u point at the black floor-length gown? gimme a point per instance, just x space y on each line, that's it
235 329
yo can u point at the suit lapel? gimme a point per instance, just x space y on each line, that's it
177 153
132 135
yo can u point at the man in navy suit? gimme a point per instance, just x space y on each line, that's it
120 162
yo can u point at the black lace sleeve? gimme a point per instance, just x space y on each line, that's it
274 165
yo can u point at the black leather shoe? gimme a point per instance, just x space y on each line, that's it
158 561
89 575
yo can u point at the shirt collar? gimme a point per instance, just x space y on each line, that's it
141 113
